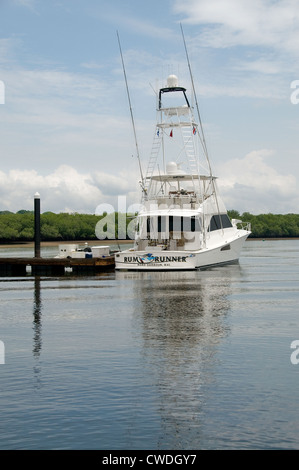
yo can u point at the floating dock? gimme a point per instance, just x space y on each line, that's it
87 260
54 266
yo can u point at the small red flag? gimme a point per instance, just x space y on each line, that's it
170 133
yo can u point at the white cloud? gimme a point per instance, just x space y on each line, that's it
117 15
240 22
260 65
92 65
246 184
64 190
55 116
29 4
65 87
147 28
251 184
250 48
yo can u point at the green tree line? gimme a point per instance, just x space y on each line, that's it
19 226
270 225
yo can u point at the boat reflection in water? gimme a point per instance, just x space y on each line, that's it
149 343
182 318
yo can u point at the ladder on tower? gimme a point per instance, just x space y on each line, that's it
188 133
153 158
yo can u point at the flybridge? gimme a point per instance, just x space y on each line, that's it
169 90
172 86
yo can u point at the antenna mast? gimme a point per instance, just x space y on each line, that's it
132 118
203 140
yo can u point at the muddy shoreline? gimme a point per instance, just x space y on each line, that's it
56 243
106 242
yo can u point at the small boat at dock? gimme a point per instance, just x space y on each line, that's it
76 251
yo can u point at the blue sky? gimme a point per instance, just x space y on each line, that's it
65 127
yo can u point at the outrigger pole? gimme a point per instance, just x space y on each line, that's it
203 140
132 118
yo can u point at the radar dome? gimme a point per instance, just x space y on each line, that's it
172 81
171 168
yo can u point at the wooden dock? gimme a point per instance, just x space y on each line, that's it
54 266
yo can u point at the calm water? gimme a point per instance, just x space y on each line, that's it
195 360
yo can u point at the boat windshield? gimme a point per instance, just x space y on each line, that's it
156 225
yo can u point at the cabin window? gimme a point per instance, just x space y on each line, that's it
184 224
163 224
219 221
225 247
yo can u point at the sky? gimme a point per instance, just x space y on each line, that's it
65 125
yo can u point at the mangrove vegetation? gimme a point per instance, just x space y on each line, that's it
19 226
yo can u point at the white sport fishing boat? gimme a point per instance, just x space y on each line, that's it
183 223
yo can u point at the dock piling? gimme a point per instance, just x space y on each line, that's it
37 236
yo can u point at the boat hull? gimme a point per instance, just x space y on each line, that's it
159 260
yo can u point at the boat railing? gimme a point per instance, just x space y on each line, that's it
162 244
241 225
182 192
178 199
